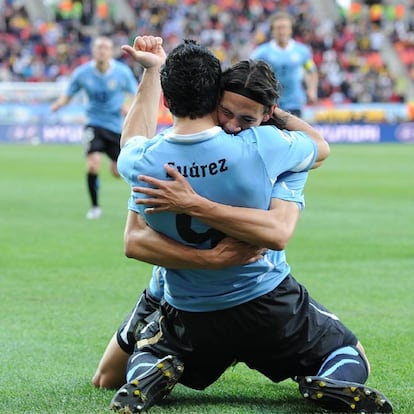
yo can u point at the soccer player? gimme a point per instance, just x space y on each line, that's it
255 313
249 93
292 63
107 83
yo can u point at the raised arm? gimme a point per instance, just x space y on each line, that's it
142 116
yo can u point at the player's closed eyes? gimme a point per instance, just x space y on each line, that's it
245 120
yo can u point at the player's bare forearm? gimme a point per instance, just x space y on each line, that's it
142 115
266 228
59 103
141 118
145 244
312 80
285 120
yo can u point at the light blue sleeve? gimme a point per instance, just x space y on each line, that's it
283 150
128 164
289 187
126 158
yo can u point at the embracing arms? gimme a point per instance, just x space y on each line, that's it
266 228
143 243
290 122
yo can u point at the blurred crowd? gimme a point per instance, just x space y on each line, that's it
347 51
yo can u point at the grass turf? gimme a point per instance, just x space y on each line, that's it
65 284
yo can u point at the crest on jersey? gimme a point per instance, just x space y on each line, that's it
111 84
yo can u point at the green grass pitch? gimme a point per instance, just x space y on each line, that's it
65 284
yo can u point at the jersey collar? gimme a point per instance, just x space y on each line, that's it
192 138
288 46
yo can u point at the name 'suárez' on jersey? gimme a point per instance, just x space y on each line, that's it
200 170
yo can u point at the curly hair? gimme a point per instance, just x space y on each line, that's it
191 80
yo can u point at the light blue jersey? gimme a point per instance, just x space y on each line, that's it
289 187
105 92
238 170
288 64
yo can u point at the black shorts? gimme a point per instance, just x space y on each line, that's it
281 334
142 313
97 139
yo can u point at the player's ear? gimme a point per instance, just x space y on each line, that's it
164 101
269 113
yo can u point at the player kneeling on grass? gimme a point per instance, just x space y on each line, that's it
205 326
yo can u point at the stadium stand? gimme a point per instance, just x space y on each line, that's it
364 53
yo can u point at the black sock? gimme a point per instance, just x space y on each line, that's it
93 188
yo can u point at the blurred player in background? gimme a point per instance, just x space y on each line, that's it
292 63
106 83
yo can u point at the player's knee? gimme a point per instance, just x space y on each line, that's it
96 380
93 163
107 380
114 171
99 380
92 169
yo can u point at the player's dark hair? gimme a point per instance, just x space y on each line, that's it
191 80
253 79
